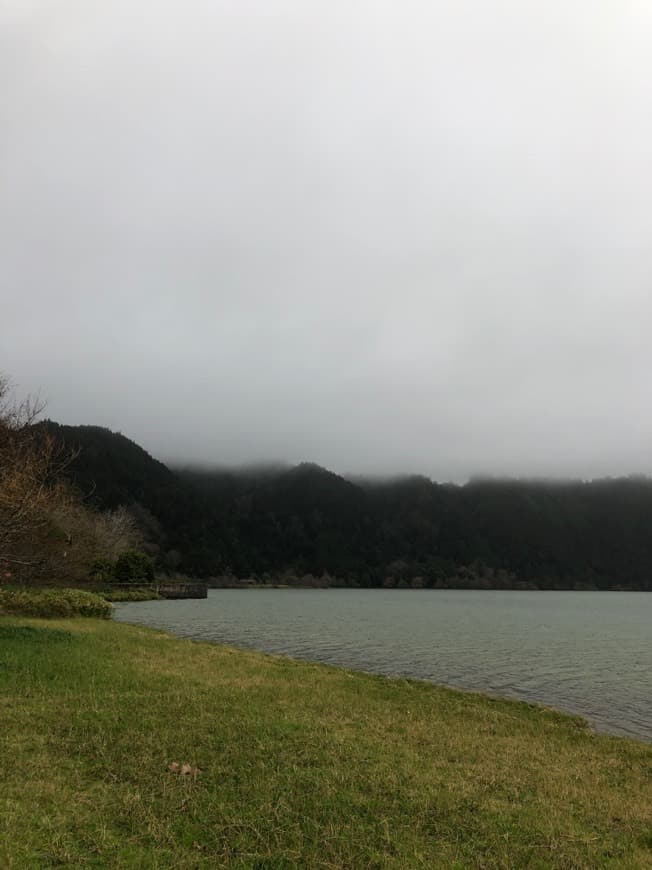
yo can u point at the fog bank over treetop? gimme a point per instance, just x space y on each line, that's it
385 237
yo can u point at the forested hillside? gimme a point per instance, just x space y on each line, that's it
306 524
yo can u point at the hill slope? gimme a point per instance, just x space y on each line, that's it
411 531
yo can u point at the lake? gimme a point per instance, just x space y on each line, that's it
583 652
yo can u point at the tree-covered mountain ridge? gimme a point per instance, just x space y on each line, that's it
307 525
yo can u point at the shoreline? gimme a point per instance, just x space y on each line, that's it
299 763
351 669
532 588
491 696
589 683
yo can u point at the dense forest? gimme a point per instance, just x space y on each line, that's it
306 525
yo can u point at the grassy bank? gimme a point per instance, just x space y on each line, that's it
129 595
55 602
300 765
52 602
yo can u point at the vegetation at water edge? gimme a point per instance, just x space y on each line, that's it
53 602
129 595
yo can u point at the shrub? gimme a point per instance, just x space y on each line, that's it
103 570
53 603
134 567
130 595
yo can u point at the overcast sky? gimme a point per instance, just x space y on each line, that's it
382 236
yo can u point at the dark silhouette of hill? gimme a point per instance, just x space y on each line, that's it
306 520
110 468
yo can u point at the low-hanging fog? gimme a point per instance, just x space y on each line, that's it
382 236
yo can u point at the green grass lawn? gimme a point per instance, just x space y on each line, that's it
301 765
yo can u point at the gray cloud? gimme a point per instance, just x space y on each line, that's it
382 236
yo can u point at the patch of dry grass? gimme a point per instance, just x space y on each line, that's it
300 765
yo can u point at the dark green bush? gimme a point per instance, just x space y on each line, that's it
103 570
52 603
133 566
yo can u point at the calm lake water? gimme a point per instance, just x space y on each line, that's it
584 652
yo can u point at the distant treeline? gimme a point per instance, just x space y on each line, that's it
308 526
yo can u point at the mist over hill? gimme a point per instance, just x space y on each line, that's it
307 524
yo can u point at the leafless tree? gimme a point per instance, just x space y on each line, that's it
115 532
31 465
47 529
